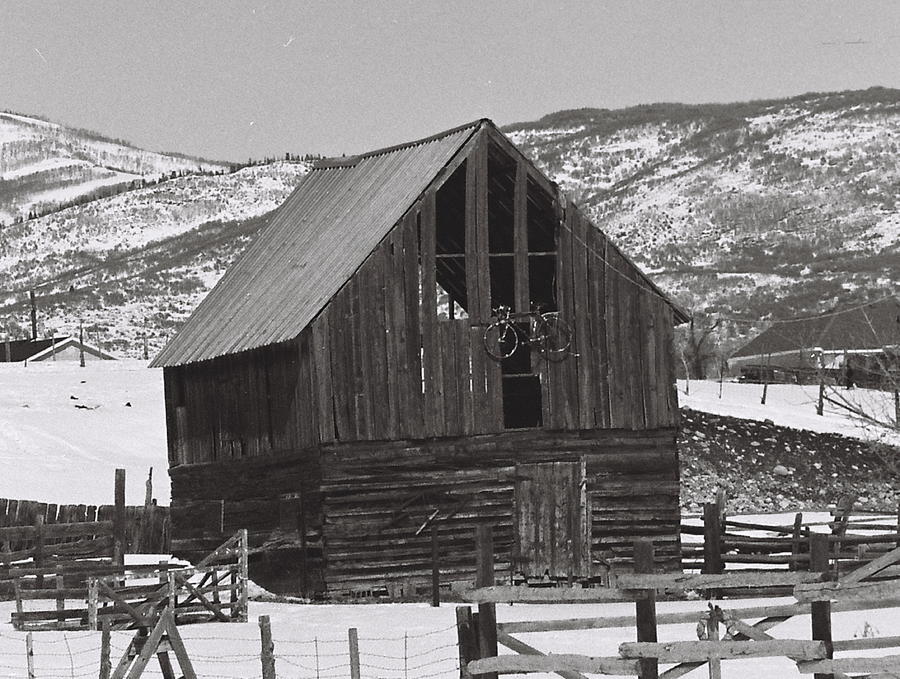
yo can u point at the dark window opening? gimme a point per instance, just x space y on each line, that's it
502 274
450 203
542 282
522 402
450 245
519 363
541 220
501 192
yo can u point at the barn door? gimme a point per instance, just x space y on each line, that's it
552 520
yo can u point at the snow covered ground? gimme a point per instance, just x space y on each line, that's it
53 451
793 405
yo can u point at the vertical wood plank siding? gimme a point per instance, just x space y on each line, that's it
379 396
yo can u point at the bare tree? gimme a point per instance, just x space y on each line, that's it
698 348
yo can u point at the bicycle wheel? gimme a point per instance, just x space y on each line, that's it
554 337
500 340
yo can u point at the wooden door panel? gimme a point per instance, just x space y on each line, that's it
552 520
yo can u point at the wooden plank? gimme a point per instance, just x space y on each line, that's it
473 292
452 420
412 282
614 359
480 359
465 348
380 393
520 238
393 363
480 160
887 663
645 609
597 312
484 577
337 311
839 591
693 651
586 375
399 331
321 362
556 662
679 582
872 567
553 595
432 347
521 647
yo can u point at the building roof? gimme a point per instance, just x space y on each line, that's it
36 350
319 237
869 326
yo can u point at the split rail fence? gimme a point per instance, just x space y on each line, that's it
817 592
853 541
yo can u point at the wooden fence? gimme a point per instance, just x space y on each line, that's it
817 594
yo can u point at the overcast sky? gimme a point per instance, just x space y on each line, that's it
229 80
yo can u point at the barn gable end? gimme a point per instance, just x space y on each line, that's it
337 380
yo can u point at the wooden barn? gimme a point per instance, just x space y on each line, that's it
336 393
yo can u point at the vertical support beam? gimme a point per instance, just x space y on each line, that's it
244 576
38 554
480 156
267 648
92 603
435 567
434 411
105 662
484 577
119 519
796 541
29 653
645 608
712 633
520 238
467 640
821 610
473 294
354 652
60 600
712 539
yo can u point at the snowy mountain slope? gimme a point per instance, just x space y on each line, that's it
755 210
760 210
137 263
44 165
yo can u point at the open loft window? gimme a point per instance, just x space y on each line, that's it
541 226
450 246
501 227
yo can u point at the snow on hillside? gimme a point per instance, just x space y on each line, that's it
794 405
44 164
51 450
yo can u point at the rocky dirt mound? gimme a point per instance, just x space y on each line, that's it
764 467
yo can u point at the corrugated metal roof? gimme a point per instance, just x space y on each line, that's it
320 236
871 326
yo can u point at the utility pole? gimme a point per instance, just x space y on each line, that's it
81 343
33 317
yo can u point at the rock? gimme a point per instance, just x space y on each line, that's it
781 470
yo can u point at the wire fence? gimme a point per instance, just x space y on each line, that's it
237 654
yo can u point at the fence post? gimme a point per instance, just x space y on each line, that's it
712 633
645 607
796 544
467 640
39 548
712 539
92 603
105 662
245 575
354 652
267 648
821 610
435 568
119 520
29 655
484 577
60 601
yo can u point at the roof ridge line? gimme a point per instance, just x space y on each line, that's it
351 161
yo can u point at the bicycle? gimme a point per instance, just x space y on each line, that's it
545 330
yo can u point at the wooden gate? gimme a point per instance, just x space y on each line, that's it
552 520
